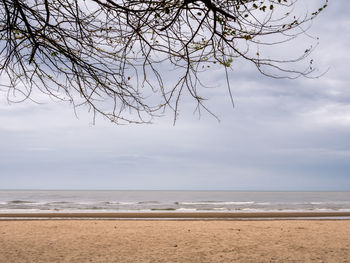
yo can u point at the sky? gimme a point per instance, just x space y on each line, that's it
282 135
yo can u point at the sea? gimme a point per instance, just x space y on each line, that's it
80 201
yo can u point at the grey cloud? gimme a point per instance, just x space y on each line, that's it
281 135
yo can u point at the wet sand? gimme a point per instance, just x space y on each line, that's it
179 215
174 241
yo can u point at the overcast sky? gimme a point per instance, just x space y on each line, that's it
281 135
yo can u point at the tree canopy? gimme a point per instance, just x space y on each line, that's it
115 56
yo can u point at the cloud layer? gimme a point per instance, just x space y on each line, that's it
281 135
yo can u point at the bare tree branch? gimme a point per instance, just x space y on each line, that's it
114 56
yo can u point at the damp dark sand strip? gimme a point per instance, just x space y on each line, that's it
179 215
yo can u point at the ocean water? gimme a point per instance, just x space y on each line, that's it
30 201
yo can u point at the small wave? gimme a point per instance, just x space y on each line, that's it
25 208
119 203
20 210
59 203
217 203
147 202
110 203
95 208
85 203
21 202
126 203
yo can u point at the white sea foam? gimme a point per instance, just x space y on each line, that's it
220 209
182 209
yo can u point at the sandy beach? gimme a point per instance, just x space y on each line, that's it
174 241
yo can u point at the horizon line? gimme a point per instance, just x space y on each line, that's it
189 190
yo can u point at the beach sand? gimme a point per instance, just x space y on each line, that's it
174 241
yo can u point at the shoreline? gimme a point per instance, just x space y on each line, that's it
180 215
